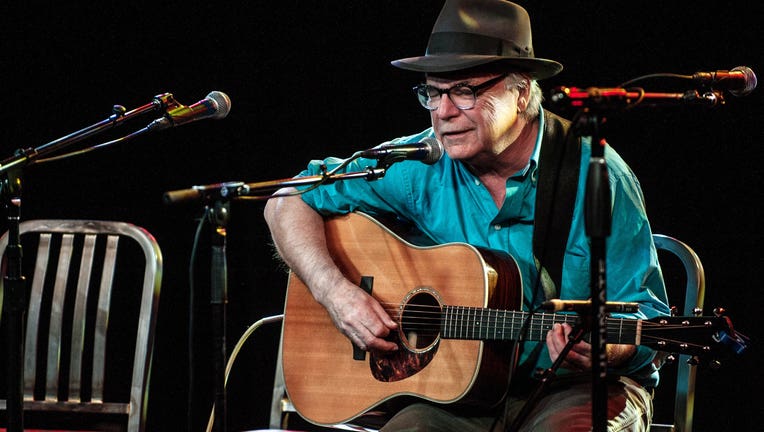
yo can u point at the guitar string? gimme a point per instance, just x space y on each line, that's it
420 319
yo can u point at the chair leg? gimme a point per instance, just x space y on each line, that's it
279 403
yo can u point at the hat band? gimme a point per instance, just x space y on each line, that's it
473 44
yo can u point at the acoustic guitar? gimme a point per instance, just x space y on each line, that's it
457 308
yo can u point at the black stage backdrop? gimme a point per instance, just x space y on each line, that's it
312 78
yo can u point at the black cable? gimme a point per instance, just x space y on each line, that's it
655 75
192 260
91 148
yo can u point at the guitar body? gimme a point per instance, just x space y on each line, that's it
329 382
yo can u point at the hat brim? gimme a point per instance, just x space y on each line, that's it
536 67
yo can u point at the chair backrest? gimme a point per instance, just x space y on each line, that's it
77 296
684 396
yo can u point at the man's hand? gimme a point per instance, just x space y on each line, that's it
355 313
360 317
579 358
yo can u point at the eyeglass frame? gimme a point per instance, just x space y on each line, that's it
447 91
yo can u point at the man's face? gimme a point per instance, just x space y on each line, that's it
487 128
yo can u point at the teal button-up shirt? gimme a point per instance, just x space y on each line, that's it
450 204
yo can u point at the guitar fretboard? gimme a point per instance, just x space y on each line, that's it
459 322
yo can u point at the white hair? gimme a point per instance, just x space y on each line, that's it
535 95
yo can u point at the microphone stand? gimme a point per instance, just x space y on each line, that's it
218 216
15 299
216 198
597 217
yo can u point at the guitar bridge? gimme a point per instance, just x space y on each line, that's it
367 283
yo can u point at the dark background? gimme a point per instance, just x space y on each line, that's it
312 78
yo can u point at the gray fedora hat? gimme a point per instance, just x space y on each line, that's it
470 33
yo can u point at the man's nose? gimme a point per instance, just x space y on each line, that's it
447 108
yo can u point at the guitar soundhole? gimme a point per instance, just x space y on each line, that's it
420 321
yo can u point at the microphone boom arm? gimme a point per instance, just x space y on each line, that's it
25 156
600 98
256 191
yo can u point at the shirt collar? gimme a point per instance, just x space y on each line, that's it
533 163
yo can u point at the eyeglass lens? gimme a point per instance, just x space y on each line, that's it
461 96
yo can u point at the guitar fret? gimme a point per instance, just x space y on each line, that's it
503 329
469 329
477 325
496 325
452 322
638 333
445 323
483 323
488 326
465 323
512 333
469 324
620 332
475 322
458 323
543 325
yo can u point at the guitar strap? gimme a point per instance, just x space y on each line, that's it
558 172
559 167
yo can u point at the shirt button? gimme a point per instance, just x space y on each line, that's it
497 227
477 182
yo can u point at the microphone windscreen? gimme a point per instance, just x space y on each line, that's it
436 150
750 81
223 103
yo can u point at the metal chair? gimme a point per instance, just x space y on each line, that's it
90 323
684 396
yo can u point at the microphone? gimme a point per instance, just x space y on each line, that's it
739 81
556 305
216 106
428 151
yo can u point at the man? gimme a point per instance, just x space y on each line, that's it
484 103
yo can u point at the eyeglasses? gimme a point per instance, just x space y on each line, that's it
462 95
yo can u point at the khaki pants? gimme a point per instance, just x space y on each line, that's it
567 406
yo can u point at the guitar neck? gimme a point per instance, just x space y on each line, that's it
458 322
